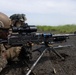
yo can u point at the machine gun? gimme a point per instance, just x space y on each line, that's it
22 35
38 38
20 39
28 33
25 33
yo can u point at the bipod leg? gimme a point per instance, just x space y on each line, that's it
33 66
31 73
58 54
52 66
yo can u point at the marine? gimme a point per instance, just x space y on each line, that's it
8 53
4 28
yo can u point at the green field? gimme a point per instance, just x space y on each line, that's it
57 29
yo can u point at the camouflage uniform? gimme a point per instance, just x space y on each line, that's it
7 56
16 19
2 48
12 52
19 20
3 60
4 23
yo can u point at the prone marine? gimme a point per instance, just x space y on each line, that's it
8 53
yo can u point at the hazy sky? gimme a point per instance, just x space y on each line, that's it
42 12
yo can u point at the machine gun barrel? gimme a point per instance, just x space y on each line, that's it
62 46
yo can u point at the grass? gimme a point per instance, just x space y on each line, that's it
58 29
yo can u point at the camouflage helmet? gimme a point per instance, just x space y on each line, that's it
18 17
23 17
4 21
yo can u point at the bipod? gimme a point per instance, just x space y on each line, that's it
47 47
30 70
55 51
58 54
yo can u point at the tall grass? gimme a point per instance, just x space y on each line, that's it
58 29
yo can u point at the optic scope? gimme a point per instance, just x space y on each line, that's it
24 29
